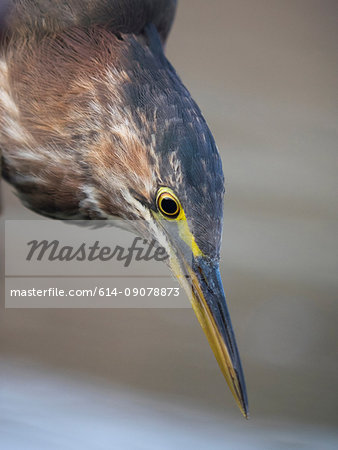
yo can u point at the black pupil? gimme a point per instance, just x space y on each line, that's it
169 206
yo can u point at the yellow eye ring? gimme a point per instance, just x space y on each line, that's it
168 204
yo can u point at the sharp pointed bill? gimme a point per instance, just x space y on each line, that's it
200 277
208 296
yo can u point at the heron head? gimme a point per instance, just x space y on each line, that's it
165 165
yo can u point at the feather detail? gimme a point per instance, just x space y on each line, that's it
42 17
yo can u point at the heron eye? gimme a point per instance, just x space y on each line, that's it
168 205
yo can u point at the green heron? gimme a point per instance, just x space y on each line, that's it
95 124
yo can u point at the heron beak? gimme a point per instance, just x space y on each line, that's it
201 279
208 301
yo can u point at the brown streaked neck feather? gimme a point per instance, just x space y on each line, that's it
66 128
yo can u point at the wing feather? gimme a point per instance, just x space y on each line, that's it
119 16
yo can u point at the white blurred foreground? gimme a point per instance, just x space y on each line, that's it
44 410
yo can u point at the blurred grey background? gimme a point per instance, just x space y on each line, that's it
265 76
